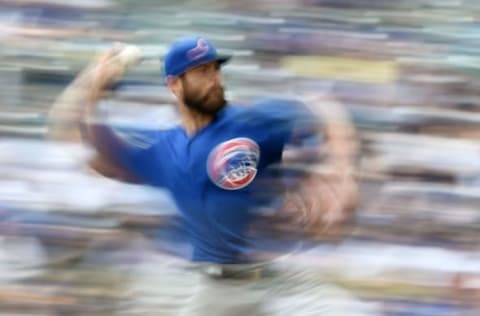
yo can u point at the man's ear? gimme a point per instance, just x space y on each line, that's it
173 83
169 80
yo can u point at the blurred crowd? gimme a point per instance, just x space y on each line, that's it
407 71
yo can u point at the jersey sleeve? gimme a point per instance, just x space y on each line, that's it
136 150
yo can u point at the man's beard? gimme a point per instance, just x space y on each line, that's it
208 104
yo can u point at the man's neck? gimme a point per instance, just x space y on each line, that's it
193 121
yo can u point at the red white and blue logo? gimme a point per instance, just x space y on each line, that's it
232 165
198 51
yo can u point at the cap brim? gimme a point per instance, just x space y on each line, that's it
223 59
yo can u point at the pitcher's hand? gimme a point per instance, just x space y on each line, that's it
108 66
320 205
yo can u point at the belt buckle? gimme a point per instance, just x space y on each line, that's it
215 271
221 272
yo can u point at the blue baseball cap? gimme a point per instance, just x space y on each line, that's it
188 52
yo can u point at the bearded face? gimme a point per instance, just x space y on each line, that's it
205 101
202 89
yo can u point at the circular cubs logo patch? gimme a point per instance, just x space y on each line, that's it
232 165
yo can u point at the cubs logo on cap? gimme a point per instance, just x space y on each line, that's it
232 165
198 51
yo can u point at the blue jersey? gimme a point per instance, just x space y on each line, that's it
221 175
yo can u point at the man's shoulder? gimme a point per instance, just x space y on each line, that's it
144 138
270 109
264 101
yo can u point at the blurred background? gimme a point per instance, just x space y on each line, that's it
407 71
